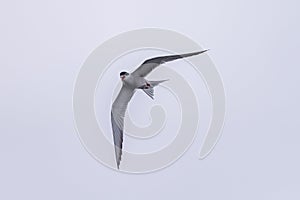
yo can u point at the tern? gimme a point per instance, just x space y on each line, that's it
130 83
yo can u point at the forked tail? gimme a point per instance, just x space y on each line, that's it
149 89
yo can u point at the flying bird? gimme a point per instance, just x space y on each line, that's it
132 82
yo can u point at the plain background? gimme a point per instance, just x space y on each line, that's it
255 45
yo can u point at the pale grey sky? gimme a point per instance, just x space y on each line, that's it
255 46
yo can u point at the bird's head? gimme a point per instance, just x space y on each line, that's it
123 75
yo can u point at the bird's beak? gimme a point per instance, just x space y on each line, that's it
122 77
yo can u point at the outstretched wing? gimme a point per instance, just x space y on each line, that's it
117 119
146 67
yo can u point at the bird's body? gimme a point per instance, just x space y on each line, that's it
132 82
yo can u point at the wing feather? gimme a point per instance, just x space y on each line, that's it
118 110
147 66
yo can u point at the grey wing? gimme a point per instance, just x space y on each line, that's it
117 119
146 67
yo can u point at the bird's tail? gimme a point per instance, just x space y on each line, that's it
149 90
155 83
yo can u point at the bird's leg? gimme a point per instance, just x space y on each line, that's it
147 85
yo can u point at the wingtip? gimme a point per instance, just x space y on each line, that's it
204 51
118 165
200 52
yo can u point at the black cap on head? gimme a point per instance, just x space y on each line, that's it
123 73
